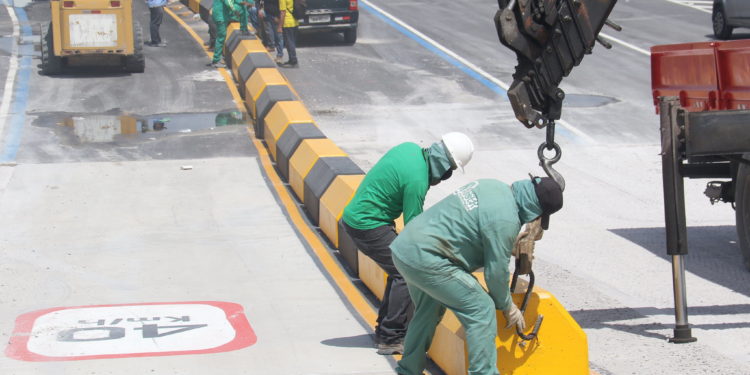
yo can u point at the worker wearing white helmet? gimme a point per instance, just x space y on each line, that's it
397 184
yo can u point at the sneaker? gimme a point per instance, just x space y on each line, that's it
289 64
391 349
217 65
279 60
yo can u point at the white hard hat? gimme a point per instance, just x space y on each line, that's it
459 148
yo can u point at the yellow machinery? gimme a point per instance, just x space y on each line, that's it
87 29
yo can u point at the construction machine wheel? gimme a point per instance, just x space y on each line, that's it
51 64
136 63
742 207
722 30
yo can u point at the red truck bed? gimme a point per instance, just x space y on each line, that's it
706 76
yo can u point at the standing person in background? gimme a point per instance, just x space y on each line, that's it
252 13
223 12
288 26
397 184
156 10
272 23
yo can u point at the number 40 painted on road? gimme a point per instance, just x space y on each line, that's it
115 331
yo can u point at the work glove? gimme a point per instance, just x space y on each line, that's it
514 317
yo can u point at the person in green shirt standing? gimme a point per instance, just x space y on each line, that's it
397 184
436 253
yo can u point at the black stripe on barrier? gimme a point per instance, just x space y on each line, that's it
232 42
248 66
320 177
204 9
185 2
290 140
270 96
348 251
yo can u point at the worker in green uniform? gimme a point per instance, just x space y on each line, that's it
436 253
222 13
397 184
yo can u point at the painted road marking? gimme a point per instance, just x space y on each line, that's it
704 6
17 112
136 330
12 67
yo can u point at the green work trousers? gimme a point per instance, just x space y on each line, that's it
433 289
221 31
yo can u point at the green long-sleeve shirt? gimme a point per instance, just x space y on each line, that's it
397 183
474 227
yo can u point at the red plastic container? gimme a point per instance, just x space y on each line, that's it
706 76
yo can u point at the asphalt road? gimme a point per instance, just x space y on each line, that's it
604 257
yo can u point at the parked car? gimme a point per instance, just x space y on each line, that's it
728 14
339 16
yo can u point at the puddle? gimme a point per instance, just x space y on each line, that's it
587 101
104 128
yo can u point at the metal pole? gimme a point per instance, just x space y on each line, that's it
672 125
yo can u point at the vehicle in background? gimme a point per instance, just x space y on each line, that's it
91 32
338 16
728 14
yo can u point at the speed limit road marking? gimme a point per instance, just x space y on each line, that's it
137 330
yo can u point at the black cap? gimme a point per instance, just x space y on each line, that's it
550 197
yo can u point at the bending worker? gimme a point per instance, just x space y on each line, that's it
222 13
436 253
397 184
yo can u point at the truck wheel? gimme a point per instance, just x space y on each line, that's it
350 36
722 30
136 63
51 64
742 207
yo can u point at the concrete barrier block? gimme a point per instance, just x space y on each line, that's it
307 154
290 139
257 83
332 204
372 275
253 62
348 250
185 3
560 347
319 179
267 99
278 119
244 45
194 5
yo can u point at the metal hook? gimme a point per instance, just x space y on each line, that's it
546 163
529 289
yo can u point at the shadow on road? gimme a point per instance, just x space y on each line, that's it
617 319
713 253
360 341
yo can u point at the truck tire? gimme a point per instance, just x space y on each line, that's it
722 30
350 36
136 63
51 64
742 207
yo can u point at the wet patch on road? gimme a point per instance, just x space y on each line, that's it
114 136
111 127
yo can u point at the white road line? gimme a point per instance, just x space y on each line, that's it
626 44
10 79
439 46
585 137
703 6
